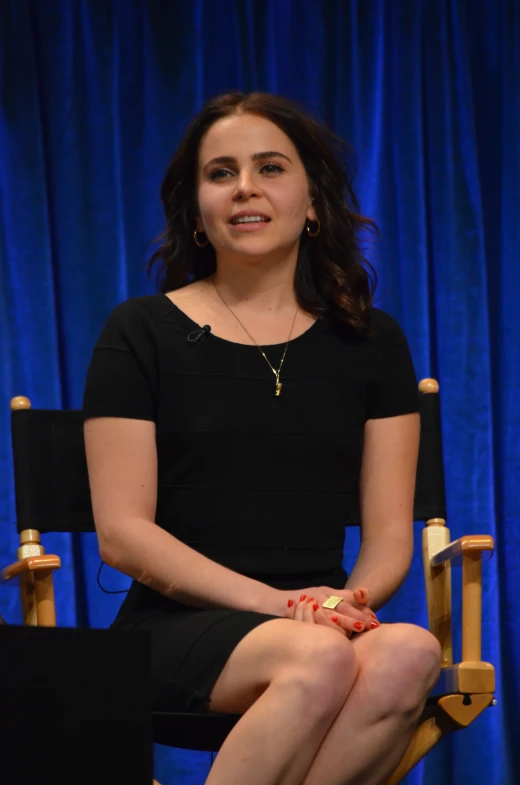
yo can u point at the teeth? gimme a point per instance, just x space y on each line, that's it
248 219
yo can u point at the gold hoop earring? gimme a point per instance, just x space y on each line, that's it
313 234
201 245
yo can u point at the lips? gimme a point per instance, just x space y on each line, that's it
234 219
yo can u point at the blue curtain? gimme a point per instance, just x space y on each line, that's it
94 97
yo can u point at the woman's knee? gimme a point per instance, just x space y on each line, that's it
301 658
425 654
323 664
407 667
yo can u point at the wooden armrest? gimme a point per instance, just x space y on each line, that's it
465 677
31 564
454 551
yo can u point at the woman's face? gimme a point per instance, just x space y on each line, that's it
247 165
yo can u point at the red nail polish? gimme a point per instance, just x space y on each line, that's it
335 619
315 606
362 593
290 603
311 599
358 625
374 625
303 598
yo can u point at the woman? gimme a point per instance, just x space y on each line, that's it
232 420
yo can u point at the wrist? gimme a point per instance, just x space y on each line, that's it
270 600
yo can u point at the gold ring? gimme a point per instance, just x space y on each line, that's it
332 602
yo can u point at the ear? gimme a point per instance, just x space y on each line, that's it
311 212
199 226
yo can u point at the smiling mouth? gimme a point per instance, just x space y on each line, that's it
260 219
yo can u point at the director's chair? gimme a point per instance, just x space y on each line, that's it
52 494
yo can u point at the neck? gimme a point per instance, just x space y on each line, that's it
264 286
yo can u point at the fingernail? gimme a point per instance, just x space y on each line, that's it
335 619
303 597
374 624
315 606
358 625
362 593
311 599
290 603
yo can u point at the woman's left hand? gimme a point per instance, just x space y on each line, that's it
354 605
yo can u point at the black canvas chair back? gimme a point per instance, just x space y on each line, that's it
51 478
50 471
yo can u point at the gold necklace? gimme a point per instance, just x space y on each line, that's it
278 385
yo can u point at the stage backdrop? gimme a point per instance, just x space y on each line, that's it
95 96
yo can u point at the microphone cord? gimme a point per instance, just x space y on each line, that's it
108 591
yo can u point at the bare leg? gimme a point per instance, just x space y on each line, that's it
284 723
399 664
274 742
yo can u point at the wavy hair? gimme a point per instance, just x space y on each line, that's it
332 279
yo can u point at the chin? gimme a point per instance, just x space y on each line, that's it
259 247
249 248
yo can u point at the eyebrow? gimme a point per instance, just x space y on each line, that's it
230 159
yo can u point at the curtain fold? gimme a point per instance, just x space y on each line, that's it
94 97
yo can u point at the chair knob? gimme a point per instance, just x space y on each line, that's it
429 386
20 402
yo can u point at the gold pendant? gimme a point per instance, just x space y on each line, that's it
278 389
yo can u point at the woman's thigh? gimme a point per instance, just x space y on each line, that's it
281 649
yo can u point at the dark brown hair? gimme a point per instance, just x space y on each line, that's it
332 280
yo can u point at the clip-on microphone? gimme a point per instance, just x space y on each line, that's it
198 335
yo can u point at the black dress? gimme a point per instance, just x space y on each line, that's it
260 484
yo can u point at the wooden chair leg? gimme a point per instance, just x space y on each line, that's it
45 606
28 598
424 739
454 712
30 545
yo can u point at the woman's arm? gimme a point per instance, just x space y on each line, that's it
387 486
122 465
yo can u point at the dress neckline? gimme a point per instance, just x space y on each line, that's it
212 335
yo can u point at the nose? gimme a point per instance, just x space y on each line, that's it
245 187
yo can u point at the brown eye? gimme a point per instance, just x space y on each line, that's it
222 174
273 168
218 173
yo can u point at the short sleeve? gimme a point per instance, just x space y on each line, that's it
122 375
395 390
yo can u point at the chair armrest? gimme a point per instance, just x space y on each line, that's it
466 677
469 542
439 556
31 564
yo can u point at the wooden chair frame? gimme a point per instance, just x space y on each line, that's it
463 690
